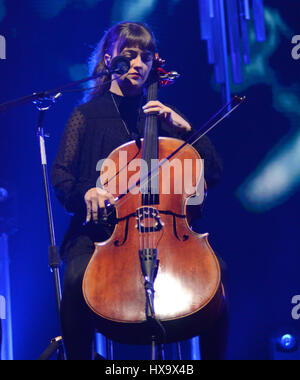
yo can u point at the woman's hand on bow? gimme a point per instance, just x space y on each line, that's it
96 200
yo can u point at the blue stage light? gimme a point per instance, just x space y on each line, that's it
288 342
275 180
136 10
48 9
3 194
277 177
2 10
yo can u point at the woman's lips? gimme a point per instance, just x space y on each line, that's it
135 75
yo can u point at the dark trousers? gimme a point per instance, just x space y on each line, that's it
78 327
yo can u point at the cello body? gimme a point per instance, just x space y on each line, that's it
188 291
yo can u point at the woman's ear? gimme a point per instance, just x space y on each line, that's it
107 59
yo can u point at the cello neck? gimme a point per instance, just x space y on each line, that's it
150 190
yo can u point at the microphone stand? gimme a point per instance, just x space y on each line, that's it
149 265
56 344
44 101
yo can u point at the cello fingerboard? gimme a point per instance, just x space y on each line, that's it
150 187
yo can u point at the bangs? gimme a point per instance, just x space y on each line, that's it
137 36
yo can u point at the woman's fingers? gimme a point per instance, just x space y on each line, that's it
97 199
170 116
155 106
158 108
95 209
89 211
111 199
153 103
101 202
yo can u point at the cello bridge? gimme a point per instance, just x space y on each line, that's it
148 220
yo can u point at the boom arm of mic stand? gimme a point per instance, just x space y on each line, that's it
45 95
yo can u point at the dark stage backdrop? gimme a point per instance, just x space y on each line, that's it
253 214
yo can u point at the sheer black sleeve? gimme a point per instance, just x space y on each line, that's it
68 186
213 166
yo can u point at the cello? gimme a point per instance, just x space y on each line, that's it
154 275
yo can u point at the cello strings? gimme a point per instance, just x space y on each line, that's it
140 231
153 184
146 186
151 136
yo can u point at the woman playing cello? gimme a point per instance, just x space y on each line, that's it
112 114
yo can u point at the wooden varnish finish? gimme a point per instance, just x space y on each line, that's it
188 290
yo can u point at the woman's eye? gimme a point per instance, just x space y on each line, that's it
129 55
147 58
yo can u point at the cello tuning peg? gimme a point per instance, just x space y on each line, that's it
173 75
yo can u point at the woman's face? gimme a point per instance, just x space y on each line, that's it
141 62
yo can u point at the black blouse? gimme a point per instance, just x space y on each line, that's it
93 131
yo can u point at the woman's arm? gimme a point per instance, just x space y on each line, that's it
69 186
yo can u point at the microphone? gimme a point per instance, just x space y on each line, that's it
119 65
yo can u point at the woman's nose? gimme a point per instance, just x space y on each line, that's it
138 61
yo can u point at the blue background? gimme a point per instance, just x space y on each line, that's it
48 44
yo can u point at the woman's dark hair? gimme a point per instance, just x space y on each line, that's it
124 34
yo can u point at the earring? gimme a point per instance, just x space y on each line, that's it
108 61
